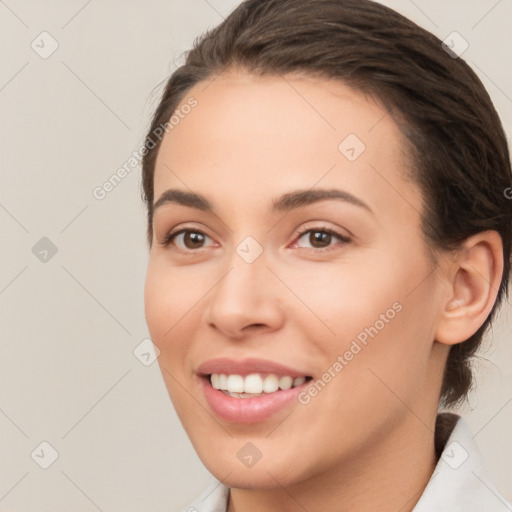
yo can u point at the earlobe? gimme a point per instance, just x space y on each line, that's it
473 282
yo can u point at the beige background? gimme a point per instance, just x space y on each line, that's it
69 325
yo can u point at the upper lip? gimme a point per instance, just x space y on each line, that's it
246 367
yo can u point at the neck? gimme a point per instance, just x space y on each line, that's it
390 475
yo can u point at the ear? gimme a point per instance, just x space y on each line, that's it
473 281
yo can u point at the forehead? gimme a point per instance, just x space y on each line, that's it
262 136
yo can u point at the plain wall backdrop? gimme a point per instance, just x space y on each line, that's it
77 88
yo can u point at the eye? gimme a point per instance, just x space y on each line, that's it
321 238
186 239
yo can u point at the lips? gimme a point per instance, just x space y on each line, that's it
251 390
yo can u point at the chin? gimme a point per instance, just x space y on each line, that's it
252 478
228 466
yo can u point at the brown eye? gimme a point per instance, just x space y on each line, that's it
193 239
187 239
319 239
323 238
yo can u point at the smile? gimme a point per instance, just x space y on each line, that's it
251 390
253 385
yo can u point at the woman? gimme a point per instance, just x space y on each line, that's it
330 236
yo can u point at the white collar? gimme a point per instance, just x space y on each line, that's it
460 482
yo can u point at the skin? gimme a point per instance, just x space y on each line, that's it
366 439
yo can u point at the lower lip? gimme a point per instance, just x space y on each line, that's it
248 410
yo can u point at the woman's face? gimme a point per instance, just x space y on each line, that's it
270 278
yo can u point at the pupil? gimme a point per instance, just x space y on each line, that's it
320 237
193 239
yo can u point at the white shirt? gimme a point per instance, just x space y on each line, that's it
460 481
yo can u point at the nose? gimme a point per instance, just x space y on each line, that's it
245 300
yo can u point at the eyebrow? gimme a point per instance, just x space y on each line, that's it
284 203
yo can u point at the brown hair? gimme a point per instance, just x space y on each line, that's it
457 143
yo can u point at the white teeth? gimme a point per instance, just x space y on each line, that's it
254 383
285 382
298 381
235 384
271 383
215 380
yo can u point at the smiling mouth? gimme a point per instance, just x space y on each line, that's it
255 384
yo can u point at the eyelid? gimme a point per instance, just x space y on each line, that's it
318 225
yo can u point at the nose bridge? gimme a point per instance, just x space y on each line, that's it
243 287
244 296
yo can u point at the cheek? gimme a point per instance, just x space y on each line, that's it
384 359
170 296
168 309
345 297
376 312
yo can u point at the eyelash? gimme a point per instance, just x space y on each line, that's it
169 237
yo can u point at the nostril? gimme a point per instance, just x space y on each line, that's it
252 326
